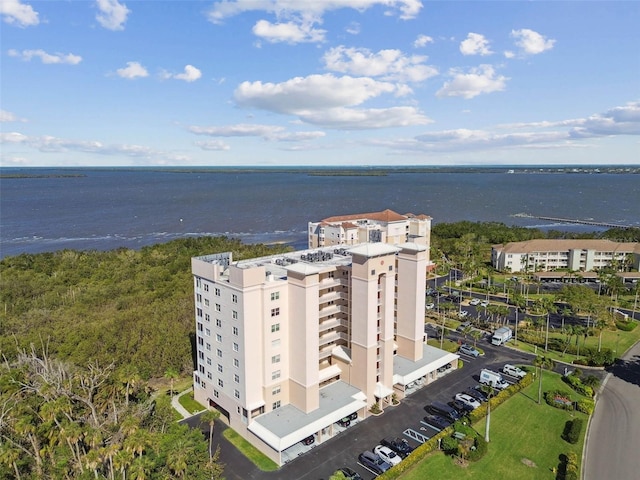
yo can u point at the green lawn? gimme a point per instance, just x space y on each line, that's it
521 432
260 460
188 402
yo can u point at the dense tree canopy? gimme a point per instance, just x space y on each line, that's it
121 307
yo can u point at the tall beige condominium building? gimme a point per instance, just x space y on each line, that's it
386 227
288 345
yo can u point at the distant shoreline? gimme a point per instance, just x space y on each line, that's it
18 176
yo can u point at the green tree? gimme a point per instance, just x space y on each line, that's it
209 417
542 363
171 374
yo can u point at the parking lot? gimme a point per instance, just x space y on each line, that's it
321 460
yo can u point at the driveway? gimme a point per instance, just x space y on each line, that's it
342 450
614 432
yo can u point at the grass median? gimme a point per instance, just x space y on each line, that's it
525 441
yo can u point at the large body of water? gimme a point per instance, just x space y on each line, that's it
110 208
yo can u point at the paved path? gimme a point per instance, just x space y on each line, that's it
614 431
176 404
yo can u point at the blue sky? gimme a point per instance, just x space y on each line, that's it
319 82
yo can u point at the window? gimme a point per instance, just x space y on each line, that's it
275 375
203 385
201 369
218 309
275 359
236 362
219 352
206 302
218 338
199 327
235 330
234 314
236 378
200 341
208 361
275 343
219 368
207 317
234 298
199 298
209 376
236 393
373 272
217 292
207 332
220 383
199 312
275 295
218 322
215 393
276 390
235 347
209 346
276 405
206 287
275 327
275 312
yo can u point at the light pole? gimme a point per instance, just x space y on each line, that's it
486 430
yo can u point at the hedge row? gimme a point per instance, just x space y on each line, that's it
586 405
432 444
589 355
569 467
625 326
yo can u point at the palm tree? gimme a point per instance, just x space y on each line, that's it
476 335
542 363
171 373
10 456
210 416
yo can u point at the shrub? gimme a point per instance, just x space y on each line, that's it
625 326
558 399
450 446
586 405
481 448
575 383
571 466
572 430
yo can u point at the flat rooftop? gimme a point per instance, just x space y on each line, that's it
406 371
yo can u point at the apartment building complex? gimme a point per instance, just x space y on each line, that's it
385 227
577 255
288 345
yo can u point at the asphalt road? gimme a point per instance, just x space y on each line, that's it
342 450
614 431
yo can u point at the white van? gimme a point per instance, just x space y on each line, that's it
493 379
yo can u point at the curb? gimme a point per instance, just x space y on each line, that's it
586 436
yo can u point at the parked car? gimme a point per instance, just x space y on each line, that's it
344 422
429 306
474 301
477 394
437 421
463 325
353 416
468 350
398 445
493 379
467 400
484 303
514 371
444 410
463 313
309 440
463 408
388 455
373 462
350 474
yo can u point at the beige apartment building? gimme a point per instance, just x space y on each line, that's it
385 227
577 255
288 345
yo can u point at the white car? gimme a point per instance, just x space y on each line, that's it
467 400
484 303
463 313
388 455
429 306
514 371
474 301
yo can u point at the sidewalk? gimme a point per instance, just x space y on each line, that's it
175 403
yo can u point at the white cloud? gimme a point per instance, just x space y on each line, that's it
616 121
132 70
509 54
47 58
475 44
353 28
479 80
6 116
267 132
530 42
113 14
288 32
213 145
422 41
50 144
17 13
406 9
388 64
190 74
361 119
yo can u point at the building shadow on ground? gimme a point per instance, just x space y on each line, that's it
627 370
